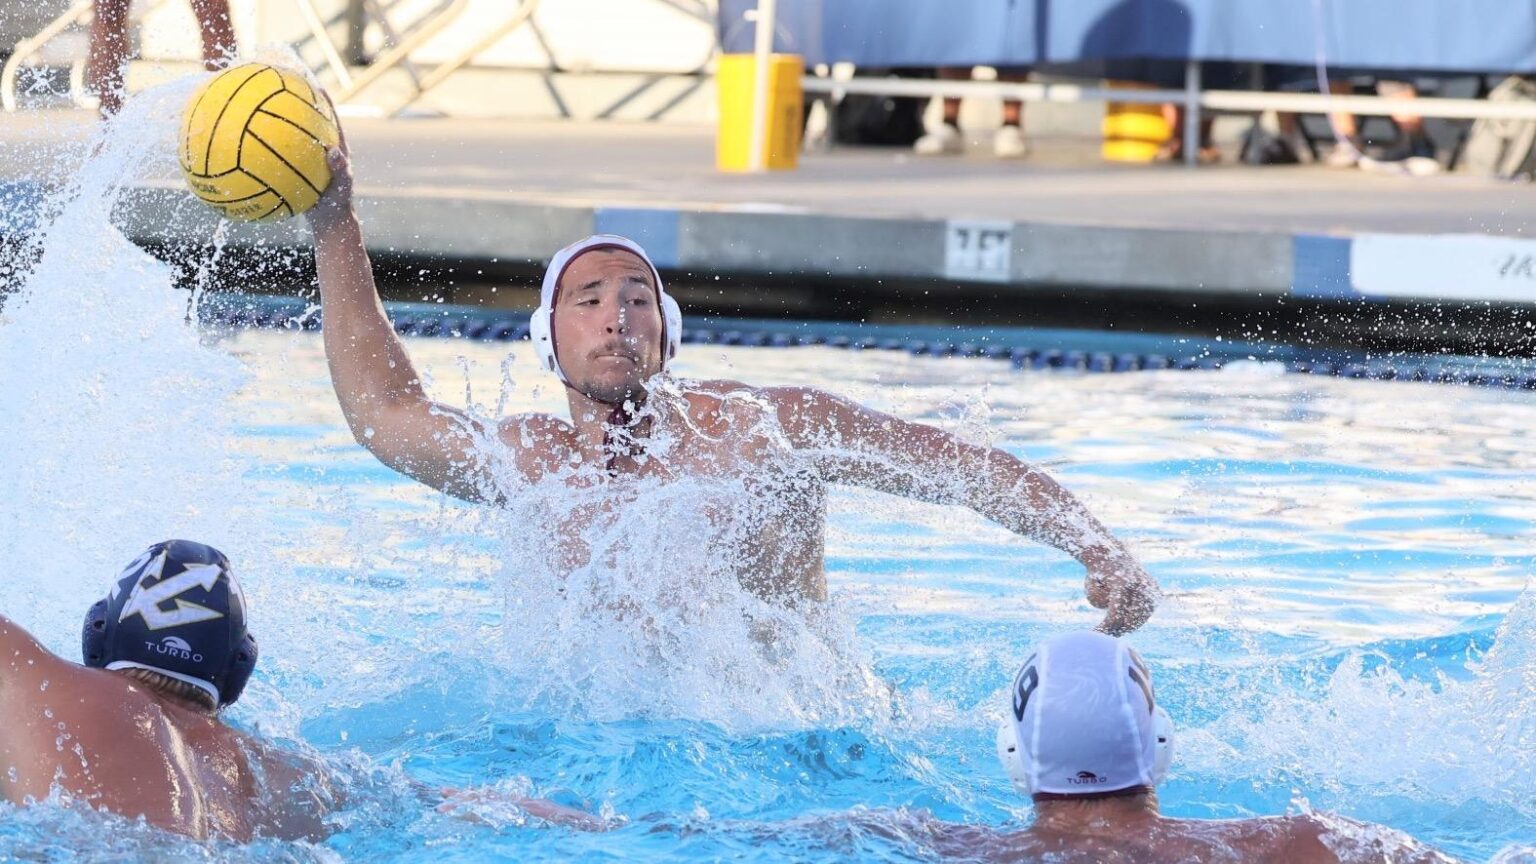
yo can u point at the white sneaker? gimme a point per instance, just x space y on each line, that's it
943 141
1342 156
1413 166
1009 143
1422 166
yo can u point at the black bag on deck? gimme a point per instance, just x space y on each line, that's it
879 121
1505 149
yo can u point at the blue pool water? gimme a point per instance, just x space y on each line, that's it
1348 625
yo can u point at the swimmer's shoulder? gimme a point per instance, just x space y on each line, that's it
713 391
718 405
525 430
540 441
1264 840
296 793
23 660
1329 837
775 395
808 414
1311 838
783 399
804 414
795 402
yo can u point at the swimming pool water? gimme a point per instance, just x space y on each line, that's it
1337 554
1348 624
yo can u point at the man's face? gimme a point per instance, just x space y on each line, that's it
607 325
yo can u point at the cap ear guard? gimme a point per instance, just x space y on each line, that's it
1162 728
1011 755
93 636
540 333
672 320
241 664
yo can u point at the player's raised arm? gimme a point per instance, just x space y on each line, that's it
381 395
862 447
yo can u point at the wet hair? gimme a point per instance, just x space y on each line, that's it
165 685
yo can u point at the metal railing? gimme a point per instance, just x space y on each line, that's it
349 85
78 13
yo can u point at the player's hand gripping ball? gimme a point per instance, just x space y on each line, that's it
253 143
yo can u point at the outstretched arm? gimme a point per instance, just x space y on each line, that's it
482 804
380 393
861 447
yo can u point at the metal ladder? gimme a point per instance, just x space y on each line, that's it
78 13
400 47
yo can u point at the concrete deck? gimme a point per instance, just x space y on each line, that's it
473 190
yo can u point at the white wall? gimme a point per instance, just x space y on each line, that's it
583 35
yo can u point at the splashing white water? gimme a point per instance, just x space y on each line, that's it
1451 741
679 597
112 413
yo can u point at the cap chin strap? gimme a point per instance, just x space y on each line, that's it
1012 757
620 418
1162 727
1011 754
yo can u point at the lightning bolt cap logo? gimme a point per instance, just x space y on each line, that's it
147 600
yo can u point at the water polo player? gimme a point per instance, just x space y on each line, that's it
136 730
1085 738
607 329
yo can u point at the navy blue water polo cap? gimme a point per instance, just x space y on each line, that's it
176 610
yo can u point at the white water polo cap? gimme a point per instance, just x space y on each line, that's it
1084 720
541 326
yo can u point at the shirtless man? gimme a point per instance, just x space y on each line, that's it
136 730
1086 739
607 329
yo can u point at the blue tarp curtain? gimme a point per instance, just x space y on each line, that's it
1427 35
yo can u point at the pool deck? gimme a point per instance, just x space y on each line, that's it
512 191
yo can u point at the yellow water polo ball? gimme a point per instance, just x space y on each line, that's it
253 143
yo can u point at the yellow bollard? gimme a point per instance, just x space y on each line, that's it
734 79
1133 132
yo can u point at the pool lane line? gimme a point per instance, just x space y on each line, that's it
435 320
